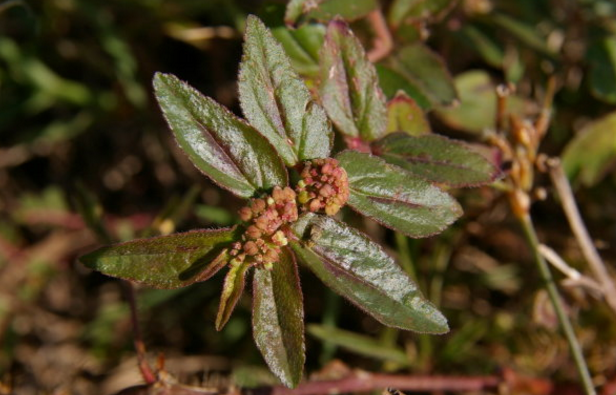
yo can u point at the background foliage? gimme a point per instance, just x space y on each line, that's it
83 146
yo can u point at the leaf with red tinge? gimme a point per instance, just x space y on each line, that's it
396 198
437 159
172 261
278 319
404 115
232 290
358 269
222 146
299 11
277 102
349 88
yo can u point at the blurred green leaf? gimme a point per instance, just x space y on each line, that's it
426 71
222 146
395 198
602 76
302 46
592 152
358 269
526 34
278 319
437 159
276 101
214 214
232 290
393 82
350 89
359 344
404 115
325 10
477 109
172 261
402 10
483 44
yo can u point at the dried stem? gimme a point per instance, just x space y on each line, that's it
565 323
383 43
597 266
365 382
573 276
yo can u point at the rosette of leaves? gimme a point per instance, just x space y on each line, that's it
286 131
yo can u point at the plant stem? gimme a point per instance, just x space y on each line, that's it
383 43
570 208
404 255
565 323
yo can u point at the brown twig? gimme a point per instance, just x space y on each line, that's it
382 43
365 381
597 266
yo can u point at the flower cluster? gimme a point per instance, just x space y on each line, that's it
324 186
261 242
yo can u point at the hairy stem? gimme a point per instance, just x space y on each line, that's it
565 323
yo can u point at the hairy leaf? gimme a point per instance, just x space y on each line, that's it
427 71
325 10
276 101
395 198
278 319
437 159
592 153
358 269
302 45
172 261
349 88
404 115
222 146
232 290
359 344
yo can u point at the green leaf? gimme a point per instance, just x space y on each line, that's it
477 109
395 198
278 319
299 11
437 159
360 344
349 88
404 115
393 82
402 10
232 290
172 261
276 101
525 33
222 146
425 70
592 152
483 44
302 45
602 77
358 269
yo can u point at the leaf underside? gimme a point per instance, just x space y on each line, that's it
278 319
226 149
277 102
358 269
232 289
396 198
436 159
172 261
349 88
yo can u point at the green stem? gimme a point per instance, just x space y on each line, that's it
404 255
565 323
